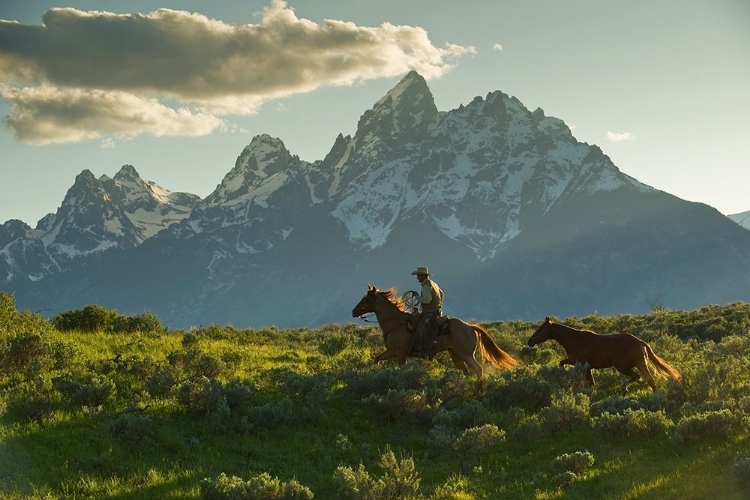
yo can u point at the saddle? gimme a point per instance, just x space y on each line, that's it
441 323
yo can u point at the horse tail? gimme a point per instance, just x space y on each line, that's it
662 367
491 352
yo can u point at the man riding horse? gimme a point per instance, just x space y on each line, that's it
431 302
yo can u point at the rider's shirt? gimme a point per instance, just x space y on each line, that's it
431 296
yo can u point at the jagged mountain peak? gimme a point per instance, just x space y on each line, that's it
86 177
411 90
126 173
263 158
96 216
405 114
13 230
265 150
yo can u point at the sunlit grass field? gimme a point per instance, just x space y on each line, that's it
108 408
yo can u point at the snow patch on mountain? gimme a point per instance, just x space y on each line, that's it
369 214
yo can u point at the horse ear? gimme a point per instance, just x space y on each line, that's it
371 288
546 319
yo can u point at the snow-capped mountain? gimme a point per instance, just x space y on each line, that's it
513 215
743 219
97 215
490 157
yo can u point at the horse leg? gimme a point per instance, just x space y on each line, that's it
385 355
474 366
643 368
590 377
458 362
629 372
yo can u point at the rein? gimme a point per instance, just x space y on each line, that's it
366 318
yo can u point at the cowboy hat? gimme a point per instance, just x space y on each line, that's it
421 270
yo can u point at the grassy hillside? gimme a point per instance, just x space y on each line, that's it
96 405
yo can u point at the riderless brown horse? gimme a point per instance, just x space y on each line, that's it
461 341
624 351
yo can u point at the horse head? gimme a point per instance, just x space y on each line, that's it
542 333
367 304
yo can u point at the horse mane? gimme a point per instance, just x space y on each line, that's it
392 295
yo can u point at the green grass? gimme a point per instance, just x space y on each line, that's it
312 401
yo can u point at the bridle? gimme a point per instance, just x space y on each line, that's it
366 316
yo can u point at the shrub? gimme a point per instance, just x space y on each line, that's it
469 414
272 414
565 412
145 322
442 436
474 442
525 392
399 403
90 390
195 363
564 479
143 368
237 393
130 427
639 423
528 432
95 318
330 346
652 401
400 480
13 321
92 318
31 400
706 425
572 379
610 424
356 484
456 487
379 380
32 354
575 462
260 487
160 384
201 396
313 389
514 416
343 444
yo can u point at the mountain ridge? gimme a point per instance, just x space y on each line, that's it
516 217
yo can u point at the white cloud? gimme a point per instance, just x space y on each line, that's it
43 115
204 65
108 143
497 47
620 136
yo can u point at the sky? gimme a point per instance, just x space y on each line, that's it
178 88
